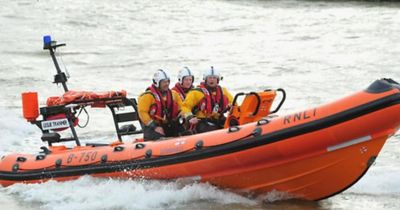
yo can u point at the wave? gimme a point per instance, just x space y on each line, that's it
378 181
124 194
16 134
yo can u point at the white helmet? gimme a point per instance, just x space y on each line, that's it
211 72
185 72
159 76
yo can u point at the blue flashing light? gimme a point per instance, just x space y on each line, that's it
47 40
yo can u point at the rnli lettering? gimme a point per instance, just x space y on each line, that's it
299 116
55 124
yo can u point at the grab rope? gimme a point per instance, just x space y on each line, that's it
87 117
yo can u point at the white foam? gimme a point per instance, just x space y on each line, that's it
15 133
378 180
274 196
94 193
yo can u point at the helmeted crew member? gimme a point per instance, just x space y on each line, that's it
183 86
205 105
158 110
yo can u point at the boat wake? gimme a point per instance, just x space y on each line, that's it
124 194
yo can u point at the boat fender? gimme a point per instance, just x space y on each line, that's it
233 129
139 146
257 132
262 122
118 149
21 159
15 167
148 153
40 157
199 144
58 163
380 86
104 158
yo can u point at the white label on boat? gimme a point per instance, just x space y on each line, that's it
55 124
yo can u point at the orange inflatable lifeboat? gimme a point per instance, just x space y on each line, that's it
311 154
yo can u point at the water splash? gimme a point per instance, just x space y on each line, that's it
122 194
274 196
378 181
15 133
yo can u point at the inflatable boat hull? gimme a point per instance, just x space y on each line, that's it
312 154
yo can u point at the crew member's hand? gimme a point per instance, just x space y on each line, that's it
194 121
159 130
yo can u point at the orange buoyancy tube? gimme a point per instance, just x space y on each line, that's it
163 110
308 151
